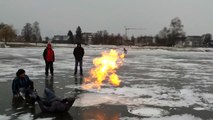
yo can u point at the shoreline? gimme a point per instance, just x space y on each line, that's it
59 45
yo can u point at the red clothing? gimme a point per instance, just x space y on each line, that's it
50 55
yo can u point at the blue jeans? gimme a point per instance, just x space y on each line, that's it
50 96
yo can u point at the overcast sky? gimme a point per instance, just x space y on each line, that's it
59 16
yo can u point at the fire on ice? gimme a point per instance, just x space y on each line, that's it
104 70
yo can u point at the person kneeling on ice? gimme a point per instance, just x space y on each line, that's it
53 104
22 86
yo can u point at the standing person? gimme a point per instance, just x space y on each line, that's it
78 53
125 50
22 85
49 58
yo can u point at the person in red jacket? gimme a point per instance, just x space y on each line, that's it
49 58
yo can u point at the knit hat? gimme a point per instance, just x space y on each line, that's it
19 72
49 45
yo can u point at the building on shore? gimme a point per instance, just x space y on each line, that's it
87 38
193 41
60 38
144 41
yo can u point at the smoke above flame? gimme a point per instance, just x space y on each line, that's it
104 70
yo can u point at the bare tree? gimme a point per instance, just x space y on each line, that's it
27 32
78 35
7 32
207 39
71 37
172 35
36 35
162 37
175 32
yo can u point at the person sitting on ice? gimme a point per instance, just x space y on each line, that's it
22 86
53 104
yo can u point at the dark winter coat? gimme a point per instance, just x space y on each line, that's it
21 83
56 106
78 53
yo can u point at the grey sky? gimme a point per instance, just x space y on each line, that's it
58 16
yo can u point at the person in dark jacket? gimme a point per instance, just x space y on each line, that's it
125 50
49 58
22 85
78 53
53 104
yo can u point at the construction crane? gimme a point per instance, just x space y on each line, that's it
127 29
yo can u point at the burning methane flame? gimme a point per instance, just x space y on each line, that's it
104 70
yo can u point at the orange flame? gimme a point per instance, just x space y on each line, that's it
104 70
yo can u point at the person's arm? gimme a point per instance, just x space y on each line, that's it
15 88
53 56
44 54
50 109
69 103
29 82
74 52
83 52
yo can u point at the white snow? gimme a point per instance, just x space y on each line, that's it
94 99
45 119
4 117
148 112
26 116
149 77
174 117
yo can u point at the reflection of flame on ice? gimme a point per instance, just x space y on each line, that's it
104 70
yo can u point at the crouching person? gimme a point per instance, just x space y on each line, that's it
22 86
53 104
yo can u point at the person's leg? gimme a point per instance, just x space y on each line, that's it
49 94
69 103
76 67
46 68
42 106
76 80
81 69
51 68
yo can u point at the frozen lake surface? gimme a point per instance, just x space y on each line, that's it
156 85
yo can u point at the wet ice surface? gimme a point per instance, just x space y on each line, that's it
156 85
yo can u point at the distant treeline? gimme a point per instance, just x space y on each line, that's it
174 35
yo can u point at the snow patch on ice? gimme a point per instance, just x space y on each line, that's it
95 99
127 91
27 116
130 118
199 108
148 112
152 95
174 117
45 119
4 117
208 97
